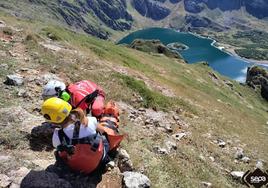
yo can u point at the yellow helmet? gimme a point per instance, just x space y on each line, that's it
55 110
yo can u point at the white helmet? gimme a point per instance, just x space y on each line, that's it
53 88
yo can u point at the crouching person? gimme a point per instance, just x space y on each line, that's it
77 141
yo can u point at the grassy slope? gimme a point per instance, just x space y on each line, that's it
219 109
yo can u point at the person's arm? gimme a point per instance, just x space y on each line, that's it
100 128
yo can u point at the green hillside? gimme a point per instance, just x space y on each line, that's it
190 98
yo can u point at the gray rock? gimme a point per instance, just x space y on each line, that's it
17 175
202 157
221 143
4 180
168 128
124 162
4 158
14 185
176 118
148 121
179 136
237 174
212 159
245 159
239 154
15 80
22 93
171 145
110 165
12 54
259 164
135 180
159 150
125 165
206 184
2 24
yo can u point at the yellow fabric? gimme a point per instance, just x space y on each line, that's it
57 109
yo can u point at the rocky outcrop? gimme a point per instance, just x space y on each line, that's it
257 78
154 46
113 13
195 21
151 9
79 14
257 8
193 6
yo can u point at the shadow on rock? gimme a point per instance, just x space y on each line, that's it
61 176
41 137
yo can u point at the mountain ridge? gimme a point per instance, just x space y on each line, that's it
101 18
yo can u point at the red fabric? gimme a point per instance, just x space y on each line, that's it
83 88
114 138
84 159
98 106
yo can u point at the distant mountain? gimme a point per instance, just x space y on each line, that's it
257 8
92 16
102 18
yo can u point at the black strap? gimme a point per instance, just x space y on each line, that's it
85 140
64 139
77 125
96 142
89 98
65 143
113 127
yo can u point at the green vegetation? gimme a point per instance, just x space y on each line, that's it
252 44
253 53
154 46
151 99
258 46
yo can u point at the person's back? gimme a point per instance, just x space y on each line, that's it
77 142
88 150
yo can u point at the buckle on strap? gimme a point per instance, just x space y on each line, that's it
96 142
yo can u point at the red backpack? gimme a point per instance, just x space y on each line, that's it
80 92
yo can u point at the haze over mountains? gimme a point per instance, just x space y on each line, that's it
102 18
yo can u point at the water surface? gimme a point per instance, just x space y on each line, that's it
200 49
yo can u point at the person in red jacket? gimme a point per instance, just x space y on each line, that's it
84 94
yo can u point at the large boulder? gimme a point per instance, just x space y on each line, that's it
257 78
15 80
136 180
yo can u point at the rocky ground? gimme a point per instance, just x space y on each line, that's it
169 136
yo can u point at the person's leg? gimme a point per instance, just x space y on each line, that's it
98 106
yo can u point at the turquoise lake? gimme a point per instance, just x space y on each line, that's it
200 49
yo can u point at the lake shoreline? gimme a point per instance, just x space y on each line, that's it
230 50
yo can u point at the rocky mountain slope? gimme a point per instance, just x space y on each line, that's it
96 17
92 16
187 126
